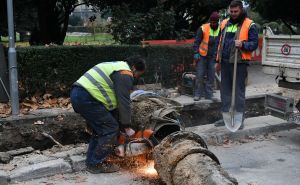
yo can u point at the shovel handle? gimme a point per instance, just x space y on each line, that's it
234 80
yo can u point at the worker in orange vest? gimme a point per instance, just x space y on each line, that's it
205 48
239 32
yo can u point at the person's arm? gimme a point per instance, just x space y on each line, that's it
252 42
217 45
198 39
123 84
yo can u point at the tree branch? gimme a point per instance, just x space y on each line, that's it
288 26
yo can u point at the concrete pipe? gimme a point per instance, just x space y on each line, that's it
182 158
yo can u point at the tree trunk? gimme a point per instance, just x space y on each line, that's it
53 20
289 27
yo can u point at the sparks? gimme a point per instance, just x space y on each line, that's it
149 169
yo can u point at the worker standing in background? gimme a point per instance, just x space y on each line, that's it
96 96
240 32
205 48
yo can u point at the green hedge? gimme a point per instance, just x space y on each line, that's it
54 69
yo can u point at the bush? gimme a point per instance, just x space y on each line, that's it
54 69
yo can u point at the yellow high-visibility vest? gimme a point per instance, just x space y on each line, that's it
98 83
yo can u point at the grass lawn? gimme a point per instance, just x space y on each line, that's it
98 38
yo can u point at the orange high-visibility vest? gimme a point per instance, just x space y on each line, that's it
246 55
203 48
207 32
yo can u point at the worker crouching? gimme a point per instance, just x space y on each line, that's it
98 96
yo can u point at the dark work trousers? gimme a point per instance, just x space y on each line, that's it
100 120
205 67
226 86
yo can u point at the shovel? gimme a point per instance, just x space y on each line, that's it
232 119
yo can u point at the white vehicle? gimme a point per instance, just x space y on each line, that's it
281 57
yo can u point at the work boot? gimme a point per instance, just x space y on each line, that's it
242 126
211 98
196 98
104 167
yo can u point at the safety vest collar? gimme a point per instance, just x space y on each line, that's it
214 33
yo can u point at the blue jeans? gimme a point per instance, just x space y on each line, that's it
105 127
205 67
226 86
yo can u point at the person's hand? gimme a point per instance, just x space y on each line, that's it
238 43
125 129
129 131
217 67
196 57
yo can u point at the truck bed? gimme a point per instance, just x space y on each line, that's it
281 55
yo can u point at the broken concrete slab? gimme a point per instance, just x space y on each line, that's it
39 170
21 151
67 151
4 178
30 159
5 157
78 162
253 126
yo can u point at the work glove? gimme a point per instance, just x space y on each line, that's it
196 56
125 129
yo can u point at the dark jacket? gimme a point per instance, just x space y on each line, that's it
229 44
123 84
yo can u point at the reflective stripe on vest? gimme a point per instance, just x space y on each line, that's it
207 32
246 55
98 83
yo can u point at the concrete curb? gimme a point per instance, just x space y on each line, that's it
220 138
39 170
44 169
43 164
4 178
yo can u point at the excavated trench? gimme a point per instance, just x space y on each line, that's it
70 128
202 115
180 157
67 129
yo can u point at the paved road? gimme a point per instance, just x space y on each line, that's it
275 161
272 160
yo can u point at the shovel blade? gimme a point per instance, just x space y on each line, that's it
233 121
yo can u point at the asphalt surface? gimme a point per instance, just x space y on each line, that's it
274 160
264 160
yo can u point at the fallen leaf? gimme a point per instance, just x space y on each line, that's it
5 109
24 110
47 96
28 103
253 183
39 122
80 179
227 145
57 177
7 167
45 105
60 118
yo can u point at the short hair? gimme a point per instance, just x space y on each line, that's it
236 3
137 61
